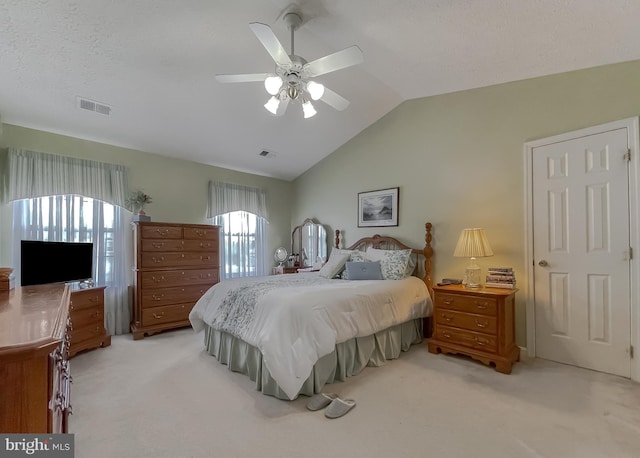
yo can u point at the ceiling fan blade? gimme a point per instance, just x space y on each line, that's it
336 61
282 107
242 78
334 100
271 43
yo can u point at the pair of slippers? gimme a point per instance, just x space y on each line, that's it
337 407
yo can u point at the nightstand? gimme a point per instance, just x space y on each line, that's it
479 323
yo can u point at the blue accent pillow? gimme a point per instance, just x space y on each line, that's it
364 270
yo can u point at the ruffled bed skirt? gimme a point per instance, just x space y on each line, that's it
348 358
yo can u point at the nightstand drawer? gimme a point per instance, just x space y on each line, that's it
467 338
87 298
480 323
470 304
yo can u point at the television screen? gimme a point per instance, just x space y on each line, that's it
54 262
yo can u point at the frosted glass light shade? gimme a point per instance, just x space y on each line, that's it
308 110
273 84
316 90
272 105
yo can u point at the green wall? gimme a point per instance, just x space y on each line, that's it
458 160
179 188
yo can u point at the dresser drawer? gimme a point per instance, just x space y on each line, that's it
179 245
480 323
86 316
201 233
166 296
84 333
470 304
150 231
166 278
168 260
166 314
467 338
86 299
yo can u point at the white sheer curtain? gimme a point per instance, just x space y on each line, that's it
241 213
59 198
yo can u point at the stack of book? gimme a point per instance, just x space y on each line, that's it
501 277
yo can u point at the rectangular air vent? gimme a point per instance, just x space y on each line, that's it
265 153
92 105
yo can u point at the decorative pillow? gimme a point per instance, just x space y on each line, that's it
334 265
394 263
370 270
354 256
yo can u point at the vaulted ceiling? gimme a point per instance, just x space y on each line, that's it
153 62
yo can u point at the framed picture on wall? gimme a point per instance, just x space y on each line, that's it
378 208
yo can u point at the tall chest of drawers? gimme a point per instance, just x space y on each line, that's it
479 323
175 264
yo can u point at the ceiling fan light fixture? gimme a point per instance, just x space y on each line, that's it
273 84
307 109
272 104
315 90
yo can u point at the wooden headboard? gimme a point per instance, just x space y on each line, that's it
423 255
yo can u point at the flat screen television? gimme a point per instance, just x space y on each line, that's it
54 262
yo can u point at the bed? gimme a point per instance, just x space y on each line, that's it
292 334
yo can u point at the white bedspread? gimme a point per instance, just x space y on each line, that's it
299 318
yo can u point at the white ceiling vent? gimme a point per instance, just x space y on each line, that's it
92 105
265 153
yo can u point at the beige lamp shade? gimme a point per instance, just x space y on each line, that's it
473 243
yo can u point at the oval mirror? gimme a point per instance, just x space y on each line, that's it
280 255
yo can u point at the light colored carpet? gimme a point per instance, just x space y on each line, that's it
164 396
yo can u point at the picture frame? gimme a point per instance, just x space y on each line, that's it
378 208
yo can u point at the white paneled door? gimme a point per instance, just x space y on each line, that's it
581 251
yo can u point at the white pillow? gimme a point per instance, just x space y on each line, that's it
334 265
394 263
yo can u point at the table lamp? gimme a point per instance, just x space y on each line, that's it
473 243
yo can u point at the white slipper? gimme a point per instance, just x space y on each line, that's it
321 400
339 407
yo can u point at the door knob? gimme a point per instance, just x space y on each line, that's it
543 263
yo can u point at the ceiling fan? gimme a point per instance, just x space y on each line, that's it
293 78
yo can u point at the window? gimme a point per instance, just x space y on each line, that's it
73 218
242 244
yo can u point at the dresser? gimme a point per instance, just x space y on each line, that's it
175 264
479 323
86 310
35 379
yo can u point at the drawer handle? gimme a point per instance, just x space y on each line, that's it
162 232
199 232
480 342
158 260
446 318
97 313
157 244
158 279
157 297
481 305
158 316
448 301
94 299
482 324
447 335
